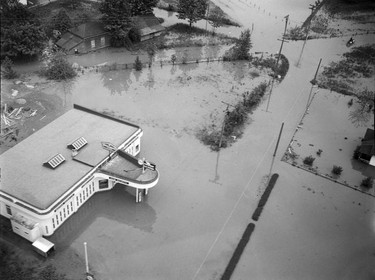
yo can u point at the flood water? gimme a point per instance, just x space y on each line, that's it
191 222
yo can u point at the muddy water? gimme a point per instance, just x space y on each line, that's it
177 98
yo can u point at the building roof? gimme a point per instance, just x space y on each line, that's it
368 143
23 174
68 41
88 29
147 24
77 34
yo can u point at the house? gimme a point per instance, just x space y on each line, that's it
367 149
47 177
149 26
84 38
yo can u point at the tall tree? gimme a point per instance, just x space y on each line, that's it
216 18
61 22
21 32
192 10
142 7
117 19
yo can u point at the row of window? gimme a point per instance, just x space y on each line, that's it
65 212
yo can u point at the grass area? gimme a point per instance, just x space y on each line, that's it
339 76
349 6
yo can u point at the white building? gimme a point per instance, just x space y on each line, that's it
48 176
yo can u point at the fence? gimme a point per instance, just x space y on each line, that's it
161 63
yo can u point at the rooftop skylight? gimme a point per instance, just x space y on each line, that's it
77 144
55 161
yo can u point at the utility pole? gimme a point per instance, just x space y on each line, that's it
278 139
208 12
277 61
313 83
223 125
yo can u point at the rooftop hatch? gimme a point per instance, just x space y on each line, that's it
77 144
55 161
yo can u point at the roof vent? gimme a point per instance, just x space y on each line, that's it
77 144
55 161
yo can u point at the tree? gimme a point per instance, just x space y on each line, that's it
240 51
116 17
61 22
216 18
8 71
21 32
59 68
192 10
142 7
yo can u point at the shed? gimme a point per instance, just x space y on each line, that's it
84 38
43 247
149 26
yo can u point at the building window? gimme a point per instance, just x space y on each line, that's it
53 222
87 192
67 209
102 41
60 216
57 220
71 206
93 44
137 148
103 184
9 210
80 197
77 201
47 229
64 213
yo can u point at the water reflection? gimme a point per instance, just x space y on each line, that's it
116 81
150 83
116 205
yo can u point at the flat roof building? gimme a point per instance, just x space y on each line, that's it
49 175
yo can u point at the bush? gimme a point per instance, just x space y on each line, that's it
367 183
58 68
138 64
356 152
134 35
309 160
9 72
240 51
337 170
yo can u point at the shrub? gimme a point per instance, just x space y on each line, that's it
9 72
367 183
134 35
173 58
138 64
337 170
309 160
58 68
356 152
240 51
319 152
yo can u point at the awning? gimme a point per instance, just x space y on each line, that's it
43 246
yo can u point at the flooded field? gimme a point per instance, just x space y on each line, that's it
179 99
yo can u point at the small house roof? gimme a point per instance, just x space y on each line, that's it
68 41
147 24
88 29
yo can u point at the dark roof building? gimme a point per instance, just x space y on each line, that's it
149 26
84 38
367 150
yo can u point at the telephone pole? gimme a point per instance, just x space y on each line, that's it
277 61
313 83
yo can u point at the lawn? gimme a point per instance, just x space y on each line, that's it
337 139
